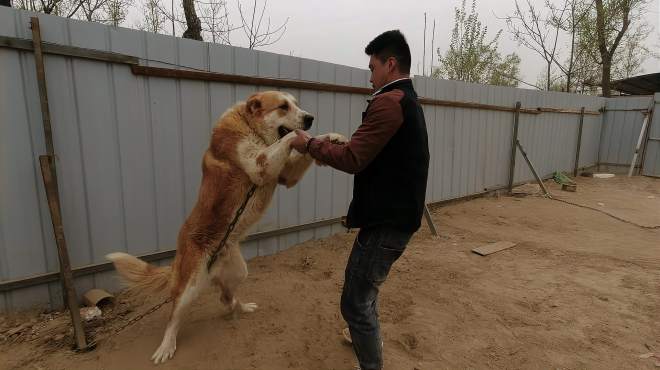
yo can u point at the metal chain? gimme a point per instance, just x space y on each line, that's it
212 259
239 212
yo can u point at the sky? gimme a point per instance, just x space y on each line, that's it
337 31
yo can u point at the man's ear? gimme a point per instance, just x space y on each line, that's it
392 64
253 105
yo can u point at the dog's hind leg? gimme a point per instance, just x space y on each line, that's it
180 304
230 272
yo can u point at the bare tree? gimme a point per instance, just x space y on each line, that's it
538 32
92 10
194 25
252 27
153 19
63 8
116 11
577 11
215 20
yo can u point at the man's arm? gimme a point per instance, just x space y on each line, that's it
383 119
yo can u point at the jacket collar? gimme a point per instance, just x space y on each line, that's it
406 81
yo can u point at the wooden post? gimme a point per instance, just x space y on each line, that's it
53 198
41 81
531 167
642 135
514 140
579 142
49 174
648 137
429 220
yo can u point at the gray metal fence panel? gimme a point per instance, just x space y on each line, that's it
622 124
470 148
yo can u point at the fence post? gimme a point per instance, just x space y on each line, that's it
647 137
579 142
49 174
514 141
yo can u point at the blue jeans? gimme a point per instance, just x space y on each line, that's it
374 251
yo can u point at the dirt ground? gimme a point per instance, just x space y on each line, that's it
579 291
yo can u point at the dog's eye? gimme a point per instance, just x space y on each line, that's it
284 106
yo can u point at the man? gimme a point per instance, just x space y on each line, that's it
389 156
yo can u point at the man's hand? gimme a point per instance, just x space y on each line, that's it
300 142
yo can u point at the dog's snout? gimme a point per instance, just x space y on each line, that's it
307 120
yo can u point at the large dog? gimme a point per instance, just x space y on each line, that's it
250 144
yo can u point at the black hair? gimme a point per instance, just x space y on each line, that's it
391 44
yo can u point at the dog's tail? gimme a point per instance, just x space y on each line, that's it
139 275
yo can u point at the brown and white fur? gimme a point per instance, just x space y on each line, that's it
250 144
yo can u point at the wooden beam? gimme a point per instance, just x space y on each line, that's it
514 140
69 51
111 57
49 176
429 221
569 111
579 142
245 80
70 296
149 257
470 105
648 137
531 167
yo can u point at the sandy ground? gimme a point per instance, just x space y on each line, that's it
579 291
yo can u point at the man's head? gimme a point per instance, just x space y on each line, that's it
389 58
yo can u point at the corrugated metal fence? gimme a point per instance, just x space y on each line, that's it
129 147
621 127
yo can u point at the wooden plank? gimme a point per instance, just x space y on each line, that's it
246 80
65 265
493 247
514 139
78 272
337 88
579 144
69 51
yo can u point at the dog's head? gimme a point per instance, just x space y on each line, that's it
273 114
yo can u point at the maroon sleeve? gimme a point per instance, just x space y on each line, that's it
383 119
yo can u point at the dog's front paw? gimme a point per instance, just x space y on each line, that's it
333 137
249 307
164 352
288 138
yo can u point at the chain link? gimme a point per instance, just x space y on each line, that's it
239 212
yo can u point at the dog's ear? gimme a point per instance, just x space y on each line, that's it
253 105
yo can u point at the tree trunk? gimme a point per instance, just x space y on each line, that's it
605 82
194 30
547 84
